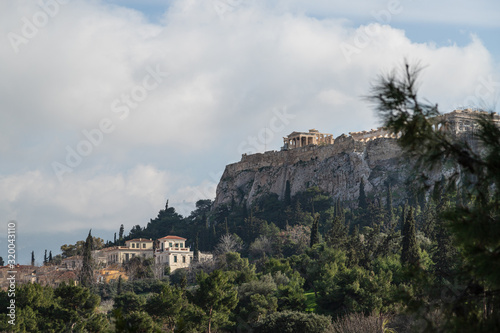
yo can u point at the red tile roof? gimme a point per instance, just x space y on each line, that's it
173 237
140 240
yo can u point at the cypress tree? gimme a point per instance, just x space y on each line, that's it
288 196
337 235
214 235
32 258
362 203
119 287
356 253
87 273
409 253
50 256
120 234
315 231
388 208
196 253
114 239
45 258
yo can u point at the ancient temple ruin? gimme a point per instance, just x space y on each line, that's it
302 139
460 121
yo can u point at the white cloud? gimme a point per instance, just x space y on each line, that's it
41 203
226 75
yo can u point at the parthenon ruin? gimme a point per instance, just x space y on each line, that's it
458 121
302 139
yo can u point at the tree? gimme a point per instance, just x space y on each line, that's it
87 272
261 246
119 288
120 235
196 252
288 196
362 202
474 225
228 243
129 302
139 268
216 296
1 261
388 208
315 231
336 237
294 321
45 259
50 256
114 239
32 258
166 306
409 253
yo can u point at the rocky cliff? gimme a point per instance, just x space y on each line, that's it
336 169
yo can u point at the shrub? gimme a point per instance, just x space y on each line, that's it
294 321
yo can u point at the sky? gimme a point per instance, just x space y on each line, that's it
110 108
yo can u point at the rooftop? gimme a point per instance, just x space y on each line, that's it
173 237
140 240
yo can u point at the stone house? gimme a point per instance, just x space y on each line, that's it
172 252
139 247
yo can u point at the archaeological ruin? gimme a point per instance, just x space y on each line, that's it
302 139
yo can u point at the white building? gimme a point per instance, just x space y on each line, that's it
139 247
172 252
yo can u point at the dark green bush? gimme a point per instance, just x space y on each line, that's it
293 322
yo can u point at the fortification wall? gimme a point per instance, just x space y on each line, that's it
288 157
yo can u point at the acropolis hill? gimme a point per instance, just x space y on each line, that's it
336 166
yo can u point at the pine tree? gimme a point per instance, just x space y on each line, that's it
87 272
315 231
362 202
32 258
409 253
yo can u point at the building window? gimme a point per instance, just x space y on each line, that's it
137 246
126 256
181 245
176 244
175 258
183 260
144 245
169 244
133 245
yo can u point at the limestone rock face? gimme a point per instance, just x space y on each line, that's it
336 169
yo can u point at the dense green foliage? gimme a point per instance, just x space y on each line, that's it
419 256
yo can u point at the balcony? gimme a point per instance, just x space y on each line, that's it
172 249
